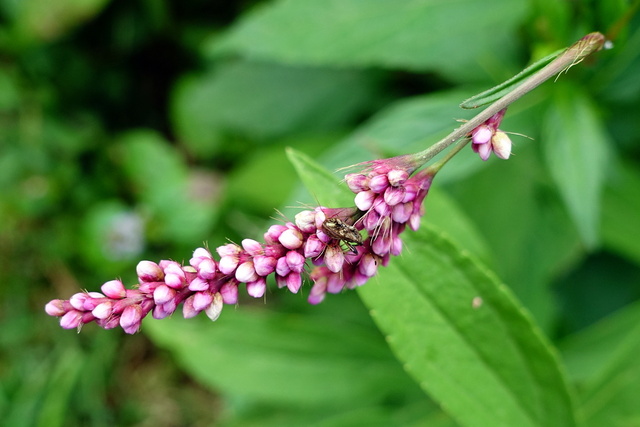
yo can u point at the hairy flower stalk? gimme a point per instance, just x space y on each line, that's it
337 248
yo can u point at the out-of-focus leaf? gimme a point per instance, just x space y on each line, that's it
576 151
44 20
465 339
183 201
285 359
451 37
320 182
603 360
260 100
620 212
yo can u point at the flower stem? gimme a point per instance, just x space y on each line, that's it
573 55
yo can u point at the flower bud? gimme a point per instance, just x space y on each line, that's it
114 289
215 308
149 271
291 238
257 288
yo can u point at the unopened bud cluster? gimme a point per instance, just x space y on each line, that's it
487 138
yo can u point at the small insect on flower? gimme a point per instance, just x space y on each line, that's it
339 230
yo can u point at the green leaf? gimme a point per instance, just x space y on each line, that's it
453 37
620 225
576 152
260 100
284 358
497 92
320 182
464 338
603 360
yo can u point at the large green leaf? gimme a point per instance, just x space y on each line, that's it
576 151
465 339
261 100
603 361
453 37
285 358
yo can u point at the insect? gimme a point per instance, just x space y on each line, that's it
339 230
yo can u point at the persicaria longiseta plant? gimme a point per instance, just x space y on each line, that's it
336 248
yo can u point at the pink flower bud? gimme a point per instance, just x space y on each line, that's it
202 300
149 271
295 261
306 221
198 284
258 288
294 282
379 183
313 247
103 310
202 253
273 234
282 267
368 265
188 310
175 281
55 308
401 213
335 283
245 272
77 300
501 145
482 134
229 249
130 319
228 264
163 294
357 182
207 269
397 177
114 289
215 308
334 258
71 320
291 238
264 265
394 195
364 200
252 247
229 292
318 291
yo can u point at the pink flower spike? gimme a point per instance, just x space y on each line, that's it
149 271
215 308
114 289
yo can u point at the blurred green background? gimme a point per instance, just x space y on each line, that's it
135 130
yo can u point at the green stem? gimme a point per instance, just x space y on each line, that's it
573 55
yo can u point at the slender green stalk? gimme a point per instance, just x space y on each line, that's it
584 47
